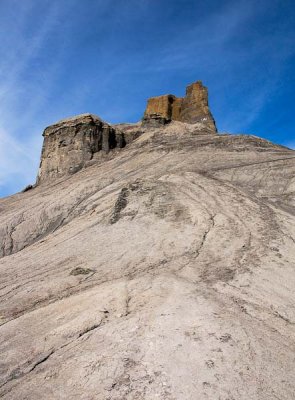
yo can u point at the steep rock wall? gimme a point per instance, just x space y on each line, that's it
71 143
193 108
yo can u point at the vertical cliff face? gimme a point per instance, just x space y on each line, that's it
162 109
195 106
71 143
192 108
161 105
176 109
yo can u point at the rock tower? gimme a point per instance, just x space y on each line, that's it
193 108
74 143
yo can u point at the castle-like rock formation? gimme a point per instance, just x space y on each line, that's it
192 108
74 143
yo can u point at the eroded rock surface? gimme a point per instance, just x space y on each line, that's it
72 143
193 108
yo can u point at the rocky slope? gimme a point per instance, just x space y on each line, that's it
163 270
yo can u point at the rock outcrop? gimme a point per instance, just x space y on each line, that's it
160 109
72 143
193 108
166 272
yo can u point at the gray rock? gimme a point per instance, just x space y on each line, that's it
71 143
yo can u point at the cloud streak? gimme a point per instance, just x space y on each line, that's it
16 161
22 96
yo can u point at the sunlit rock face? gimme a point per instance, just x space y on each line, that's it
193 108
72 143
160 108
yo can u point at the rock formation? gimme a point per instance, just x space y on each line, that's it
71 143
76 142
193 108
161 109
162 271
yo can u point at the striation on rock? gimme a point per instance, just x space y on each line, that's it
72 143
165 271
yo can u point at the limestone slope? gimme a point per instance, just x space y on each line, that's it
164 270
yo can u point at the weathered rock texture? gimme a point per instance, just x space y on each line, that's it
74 143
71 143
161 106
165 271
193 108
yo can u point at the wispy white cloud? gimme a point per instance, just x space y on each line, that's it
16 160
21 99
24 48
209 37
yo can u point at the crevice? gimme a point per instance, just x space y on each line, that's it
197 252
53 226
120 204
279 315
42 360
17 373
127 305
92 328
9 232
206 233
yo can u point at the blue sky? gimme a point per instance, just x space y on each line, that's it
67 57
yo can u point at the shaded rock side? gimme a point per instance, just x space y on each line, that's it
193 108
72 143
